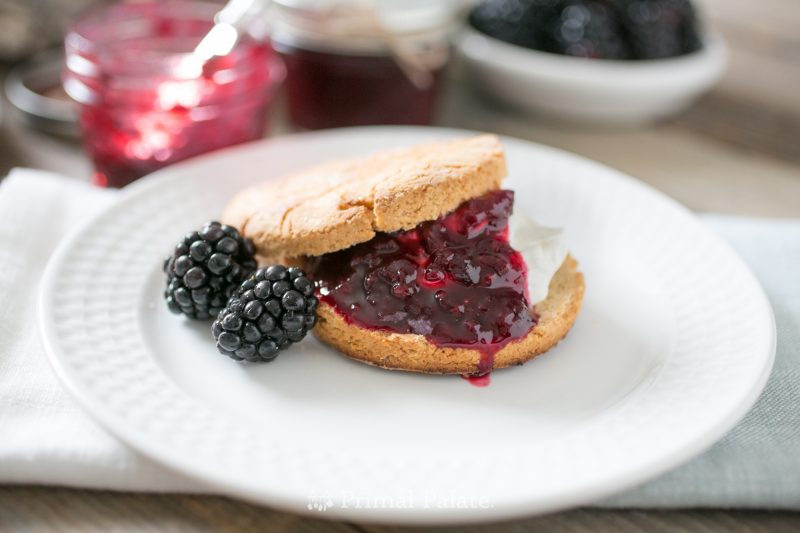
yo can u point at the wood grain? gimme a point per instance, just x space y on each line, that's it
757 104
51 510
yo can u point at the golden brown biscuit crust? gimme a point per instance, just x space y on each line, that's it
414 353
339 204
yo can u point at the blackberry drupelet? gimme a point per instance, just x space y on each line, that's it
206 268
272 309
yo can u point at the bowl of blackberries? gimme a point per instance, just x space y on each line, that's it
597 61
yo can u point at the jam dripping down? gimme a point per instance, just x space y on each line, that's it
478 380
455 280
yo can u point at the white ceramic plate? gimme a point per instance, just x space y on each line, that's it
673 345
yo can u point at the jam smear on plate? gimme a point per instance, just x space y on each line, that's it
455 280
478 380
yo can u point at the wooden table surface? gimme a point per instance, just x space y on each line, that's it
736 151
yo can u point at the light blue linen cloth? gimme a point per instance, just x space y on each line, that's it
757 464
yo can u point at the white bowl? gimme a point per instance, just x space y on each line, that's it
590 90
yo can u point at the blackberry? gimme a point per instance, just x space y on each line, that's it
206 268
584 28
272 309
658 29
601 29
513 21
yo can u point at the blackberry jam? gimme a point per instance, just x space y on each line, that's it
354 63
455 280
329 90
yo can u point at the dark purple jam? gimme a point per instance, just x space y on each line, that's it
330 90
479 380
455 280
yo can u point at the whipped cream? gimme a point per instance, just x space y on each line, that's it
543 248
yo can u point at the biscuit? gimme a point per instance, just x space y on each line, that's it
336 205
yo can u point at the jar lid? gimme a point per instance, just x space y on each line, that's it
359 16
414 32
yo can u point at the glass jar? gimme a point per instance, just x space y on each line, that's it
353 63
141 108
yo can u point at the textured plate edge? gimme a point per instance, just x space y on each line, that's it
512 509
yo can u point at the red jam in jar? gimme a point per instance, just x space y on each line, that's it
455 280
353 63
141 108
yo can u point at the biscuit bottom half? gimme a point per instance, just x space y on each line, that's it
411 352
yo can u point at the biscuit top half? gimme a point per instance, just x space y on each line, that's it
338 204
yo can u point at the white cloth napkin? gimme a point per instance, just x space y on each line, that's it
45 438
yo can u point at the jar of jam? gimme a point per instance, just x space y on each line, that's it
354 62
140 109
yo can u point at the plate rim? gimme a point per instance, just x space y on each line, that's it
511 509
